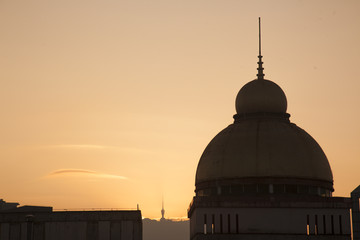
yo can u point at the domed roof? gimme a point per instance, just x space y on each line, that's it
266 148
263 143
261 95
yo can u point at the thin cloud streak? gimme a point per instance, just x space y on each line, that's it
83 173
81 146
97 147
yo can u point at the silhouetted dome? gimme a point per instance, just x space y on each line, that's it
263 146
261 96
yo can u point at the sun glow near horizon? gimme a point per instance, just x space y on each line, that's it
110 104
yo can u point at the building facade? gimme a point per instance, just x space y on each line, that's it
263 177
41 223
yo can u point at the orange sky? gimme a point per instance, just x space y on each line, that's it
109 104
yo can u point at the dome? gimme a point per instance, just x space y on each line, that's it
262 147
261 95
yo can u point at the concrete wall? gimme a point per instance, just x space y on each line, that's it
93 225
272 221
268 215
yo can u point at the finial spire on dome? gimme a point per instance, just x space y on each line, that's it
260 69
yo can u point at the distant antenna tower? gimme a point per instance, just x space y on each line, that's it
162 211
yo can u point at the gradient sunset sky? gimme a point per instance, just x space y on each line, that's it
109 104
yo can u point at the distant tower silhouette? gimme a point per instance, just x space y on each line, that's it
162 211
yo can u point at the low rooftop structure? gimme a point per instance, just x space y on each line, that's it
40 223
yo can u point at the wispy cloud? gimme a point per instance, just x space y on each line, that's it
84 173
97 147
81 146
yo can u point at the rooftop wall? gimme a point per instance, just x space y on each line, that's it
81 225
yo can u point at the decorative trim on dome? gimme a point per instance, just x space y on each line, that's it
268 115
264 180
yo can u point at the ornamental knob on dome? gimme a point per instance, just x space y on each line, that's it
261 96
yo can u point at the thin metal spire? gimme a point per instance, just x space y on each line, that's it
260 68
